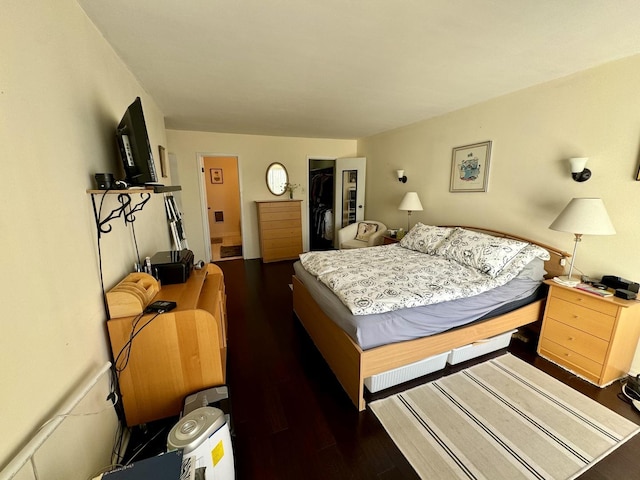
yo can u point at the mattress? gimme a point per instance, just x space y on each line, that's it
374 330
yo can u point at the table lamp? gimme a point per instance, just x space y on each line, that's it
411 203
582 216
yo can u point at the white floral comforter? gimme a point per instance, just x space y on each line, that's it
390 277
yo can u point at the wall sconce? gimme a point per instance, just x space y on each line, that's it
578 170
401 176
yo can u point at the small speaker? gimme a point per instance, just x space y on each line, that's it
105 181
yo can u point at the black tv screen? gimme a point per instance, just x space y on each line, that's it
135 149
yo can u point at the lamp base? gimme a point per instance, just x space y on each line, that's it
567 281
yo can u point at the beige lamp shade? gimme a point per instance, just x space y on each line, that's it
582 216
410 202
585 216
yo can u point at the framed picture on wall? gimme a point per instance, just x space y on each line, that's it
216 175
470 168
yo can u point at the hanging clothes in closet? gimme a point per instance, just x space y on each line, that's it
321 208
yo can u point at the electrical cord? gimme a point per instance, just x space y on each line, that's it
135 240
104 293
111 404
126 348
119 434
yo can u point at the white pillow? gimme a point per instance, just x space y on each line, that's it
365 230
425 238
528 263
485 253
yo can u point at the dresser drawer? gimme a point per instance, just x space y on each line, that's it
272 243
575 362
279 216
576 340
587 300
286 232
290 223
579 316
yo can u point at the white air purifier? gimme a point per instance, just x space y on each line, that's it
204 438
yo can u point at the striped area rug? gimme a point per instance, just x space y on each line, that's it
502 419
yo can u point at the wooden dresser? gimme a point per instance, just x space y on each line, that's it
174 354
594 337
280 224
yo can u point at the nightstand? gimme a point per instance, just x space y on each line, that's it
389 240
591 336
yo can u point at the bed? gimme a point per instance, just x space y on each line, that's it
352 362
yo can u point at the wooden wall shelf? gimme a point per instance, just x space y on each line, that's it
127 208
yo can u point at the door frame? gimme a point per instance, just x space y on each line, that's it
204 212
344 164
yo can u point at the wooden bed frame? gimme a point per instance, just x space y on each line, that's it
351 365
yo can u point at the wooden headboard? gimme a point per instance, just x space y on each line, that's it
554 266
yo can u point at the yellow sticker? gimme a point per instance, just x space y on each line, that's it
217 453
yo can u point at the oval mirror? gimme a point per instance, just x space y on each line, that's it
277 178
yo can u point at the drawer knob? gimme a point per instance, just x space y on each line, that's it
571 339
567 354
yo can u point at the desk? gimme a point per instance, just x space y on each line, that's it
177 353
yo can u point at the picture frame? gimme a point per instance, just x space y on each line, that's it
470 167
163 161
216 175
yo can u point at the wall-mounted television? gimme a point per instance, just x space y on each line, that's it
135 149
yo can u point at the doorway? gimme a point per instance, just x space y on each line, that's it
224 213
336 198
321 203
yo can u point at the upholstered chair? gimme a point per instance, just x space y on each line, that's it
367 233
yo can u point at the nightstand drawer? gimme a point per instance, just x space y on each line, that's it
587 300
583 318
571 360
576 340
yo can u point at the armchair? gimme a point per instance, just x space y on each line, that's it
347 236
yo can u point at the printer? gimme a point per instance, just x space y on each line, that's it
172 266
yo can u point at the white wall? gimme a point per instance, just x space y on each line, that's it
255 153
62 92
595 114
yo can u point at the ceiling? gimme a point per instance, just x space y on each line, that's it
351 68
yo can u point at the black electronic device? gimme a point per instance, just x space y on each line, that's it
626 294
615 282
160 306
105 181
172 266
135 148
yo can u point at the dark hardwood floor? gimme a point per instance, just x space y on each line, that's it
290 416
